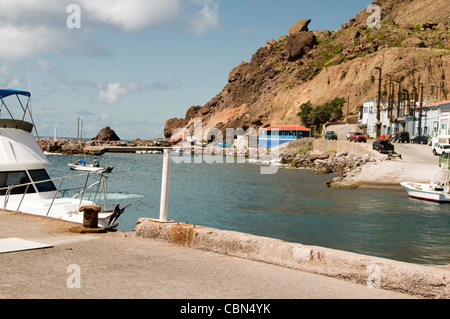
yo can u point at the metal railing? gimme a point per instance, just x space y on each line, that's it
444 161
81 192
441 132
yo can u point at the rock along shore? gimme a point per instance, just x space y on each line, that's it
330 157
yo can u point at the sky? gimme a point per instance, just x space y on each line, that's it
134 64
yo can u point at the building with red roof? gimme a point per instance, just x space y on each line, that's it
280 134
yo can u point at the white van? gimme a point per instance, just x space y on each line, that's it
440 149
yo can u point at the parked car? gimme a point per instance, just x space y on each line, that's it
383 146
163 143
358 137
420 139
331 135
348 135
440 149
401 137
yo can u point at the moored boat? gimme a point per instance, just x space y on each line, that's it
25 185
90 168
438 190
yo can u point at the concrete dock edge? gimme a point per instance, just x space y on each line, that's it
417 280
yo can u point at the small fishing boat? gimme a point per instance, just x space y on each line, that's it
90 168
437 190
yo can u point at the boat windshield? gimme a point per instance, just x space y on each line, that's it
441 178
40 178
41 175
12 179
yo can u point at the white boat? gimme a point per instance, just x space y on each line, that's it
90 168
148 152
25 185
437 190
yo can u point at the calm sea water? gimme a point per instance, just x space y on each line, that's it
292 205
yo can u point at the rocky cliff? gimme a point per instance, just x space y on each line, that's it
412 45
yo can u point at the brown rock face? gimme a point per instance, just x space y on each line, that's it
412 44
239 72
106 135
300 26
299 44
172 125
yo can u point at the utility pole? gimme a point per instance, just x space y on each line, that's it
420 109
399 97
408 105
348 106
390 99
379 103
415 98
391 104
428 82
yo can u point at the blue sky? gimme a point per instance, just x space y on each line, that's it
134 64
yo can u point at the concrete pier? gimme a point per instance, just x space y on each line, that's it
179 261
376 272
122 265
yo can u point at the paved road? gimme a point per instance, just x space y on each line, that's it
115 266
417 164
416 153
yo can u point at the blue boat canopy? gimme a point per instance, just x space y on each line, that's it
8 92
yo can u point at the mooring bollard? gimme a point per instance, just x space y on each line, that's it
90 216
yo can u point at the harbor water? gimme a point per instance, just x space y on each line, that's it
292 205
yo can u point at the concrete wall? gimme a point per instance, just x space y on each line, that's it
381 273
354 148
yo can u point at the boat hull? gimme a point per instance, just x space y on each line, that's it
90 168
66 209
426 192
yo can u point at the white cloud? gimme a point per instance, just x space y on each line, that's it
7 80
30 27
133 15
112 92
207 17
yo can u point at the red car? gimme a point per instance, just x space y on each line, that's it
357 137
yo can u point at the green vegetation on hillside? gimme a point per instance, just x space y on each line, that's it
328 112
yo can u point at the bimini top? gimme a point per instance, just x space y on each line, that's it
8 92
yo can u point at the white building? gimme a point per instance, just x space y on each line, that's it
403 119
442 135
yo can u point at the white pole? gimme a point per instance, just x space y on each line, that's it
165 185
